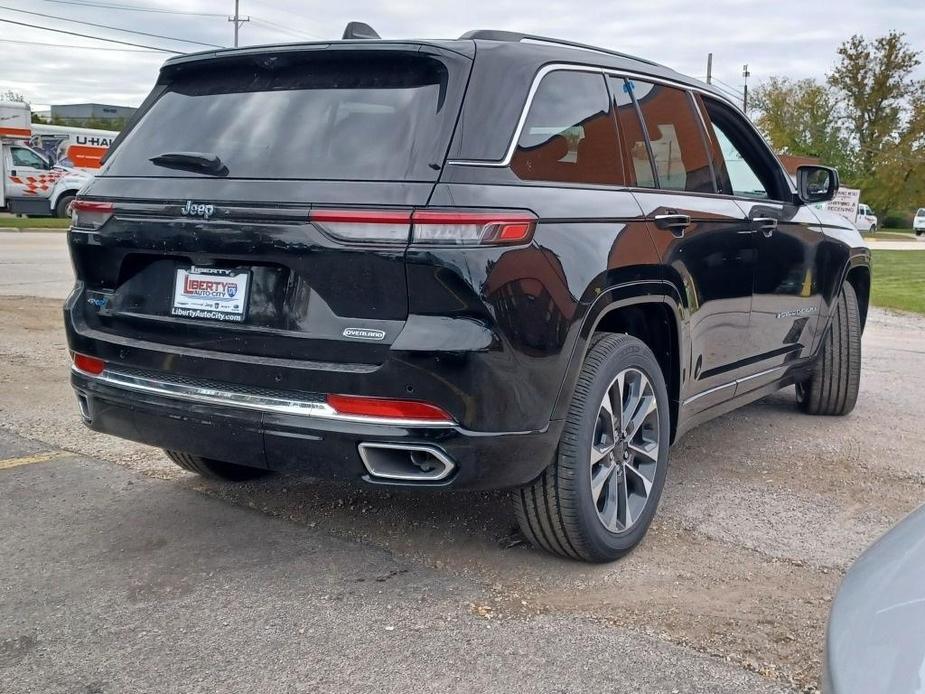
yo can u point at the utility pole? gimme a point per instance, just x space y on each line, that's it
238 21
746 74
709 68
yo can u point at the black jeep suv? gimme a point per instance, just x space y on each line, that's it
455 264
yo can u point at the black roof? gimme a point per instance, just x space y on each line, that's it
529 47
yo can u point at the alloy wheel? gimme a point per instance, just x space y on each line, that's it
625 450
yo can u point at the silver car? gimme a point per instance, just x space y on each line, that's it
876 637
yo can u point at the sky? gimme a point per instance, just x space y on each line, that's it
795 38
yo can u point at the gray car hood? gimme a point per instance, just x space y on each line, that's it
876 636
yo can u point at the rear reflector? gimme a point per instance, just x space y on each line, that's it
90 365
427 227
360 406
90 214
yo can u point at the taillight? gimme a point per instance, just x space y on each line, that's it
90 365
371 226
89 214
426 227
361 406
460 228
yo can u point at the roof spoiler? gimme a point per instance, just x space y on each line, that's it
359 30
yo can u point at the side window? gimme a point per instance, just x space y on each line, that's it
742 176
27 158
570 135
636 161
676 137
745 161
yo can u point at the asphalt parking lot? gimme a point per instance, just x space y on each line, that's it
120 572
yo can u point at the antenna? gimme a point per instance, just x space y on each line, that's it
359 30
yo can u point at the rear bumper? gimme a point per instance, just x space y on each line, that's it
315 445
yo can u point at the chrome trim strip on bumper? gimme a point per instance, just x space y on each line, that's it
261 403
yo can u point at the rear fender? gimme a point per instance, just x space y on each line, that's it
623 296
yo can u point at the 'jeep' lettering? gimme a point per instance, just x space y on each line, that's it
192 209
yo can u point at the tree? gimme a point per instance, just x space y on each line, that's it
868 119
874 82
800 117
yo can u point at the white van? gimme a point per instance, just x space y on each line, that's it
918 223
31 183
866 219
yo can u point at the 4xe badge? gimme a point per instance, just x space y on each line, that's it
192 209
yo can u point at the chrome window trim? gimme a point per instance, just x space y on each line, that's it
572 67
261 403
522 121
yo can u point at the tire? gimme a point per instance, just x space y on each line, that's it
63 206
832 389
873 228
215 469
558 512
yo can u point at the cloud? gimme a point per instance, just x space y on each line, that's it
788 37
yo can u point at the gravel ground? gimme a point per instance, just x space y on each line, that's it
763 510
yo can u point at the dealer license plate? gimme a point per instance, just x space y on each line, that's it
210 293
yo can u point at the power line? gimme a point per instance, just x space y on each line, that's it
129 8
728 92
285 30
135 8
73 45
105 26
87 36
726 84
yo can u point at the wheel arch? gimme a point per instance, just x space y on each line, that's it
649 311
858 275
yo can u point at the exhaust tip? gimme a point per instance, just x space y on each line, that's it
405 462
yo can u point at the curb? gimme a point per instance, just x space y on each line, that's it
30 230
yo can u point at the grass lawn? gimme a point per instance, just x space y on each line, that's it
891 234
899 280
34 223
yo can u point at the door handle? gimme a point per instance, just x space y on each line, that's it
675 223
766 225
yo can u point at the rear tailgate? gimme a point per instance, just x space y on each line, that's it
228 260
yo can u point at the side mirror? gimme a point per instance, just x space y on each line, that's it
816 183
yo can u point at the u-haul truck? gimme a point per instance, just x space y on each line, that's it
78 148
32 183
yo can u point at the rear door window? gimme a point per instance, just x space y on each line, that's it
570 134
337 116
675 136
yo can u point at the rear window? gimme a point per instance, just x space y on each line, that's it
342 117
921 212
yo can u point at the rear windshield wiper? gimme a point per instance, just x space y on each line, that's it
193 161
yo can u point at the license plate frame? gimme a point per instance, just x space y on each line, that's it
207 293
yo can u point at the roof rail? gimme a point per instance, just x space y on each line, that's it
514 36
